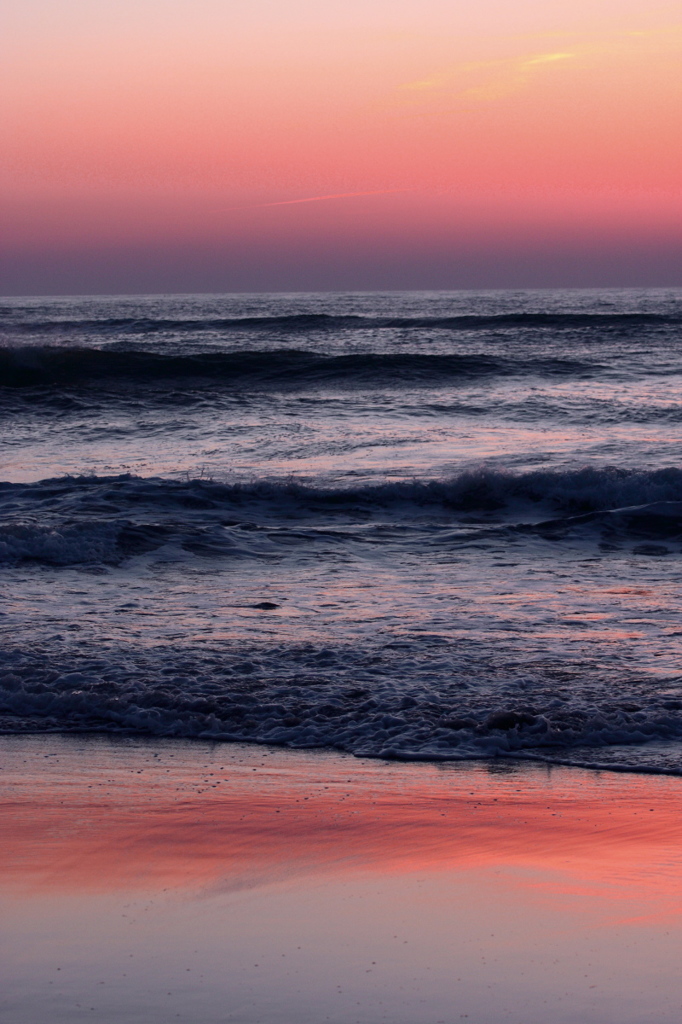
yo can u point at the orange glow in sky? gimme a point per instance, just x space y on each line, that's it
435 128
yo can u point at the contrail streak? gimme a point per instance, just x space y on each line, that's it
319 199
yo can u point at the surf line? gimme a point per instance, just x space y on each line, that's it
320 199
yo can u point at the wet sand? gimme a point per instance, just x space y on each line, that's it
162 881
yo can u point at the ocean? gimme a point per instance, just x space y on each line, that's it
417 526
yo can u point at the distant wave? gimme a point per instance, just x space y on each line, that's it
49 366
309 322
106 520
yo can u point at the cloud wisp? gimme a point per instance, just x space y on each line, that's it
487 80
320 199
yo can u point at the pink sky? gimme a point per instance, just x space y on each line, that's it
162 145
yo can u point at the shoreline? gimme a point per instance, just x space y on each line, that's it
516 757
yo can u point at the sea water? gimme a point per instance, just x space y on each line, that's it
402 525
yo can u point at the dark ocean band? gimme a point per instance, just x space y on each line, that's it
47 366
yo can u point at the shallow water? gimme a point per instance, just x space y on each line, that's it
419 525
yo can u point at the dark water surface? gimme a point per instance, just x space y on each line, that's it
413 525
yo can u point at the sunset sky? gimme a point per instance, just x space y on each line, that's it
222 145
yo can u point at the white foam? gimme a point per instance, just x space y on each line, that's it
329 697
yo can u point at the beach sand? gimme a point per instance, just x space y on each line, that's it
161 881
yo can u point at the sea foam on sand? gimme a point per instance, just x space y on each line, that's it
160 881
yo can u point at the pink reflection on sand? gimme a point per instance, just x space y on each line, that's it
106 817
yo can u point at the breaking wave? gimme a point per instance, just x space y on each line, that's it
106 520
590 489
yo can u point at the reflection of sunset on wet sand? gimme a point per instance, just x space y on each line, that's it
222 856
180 817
